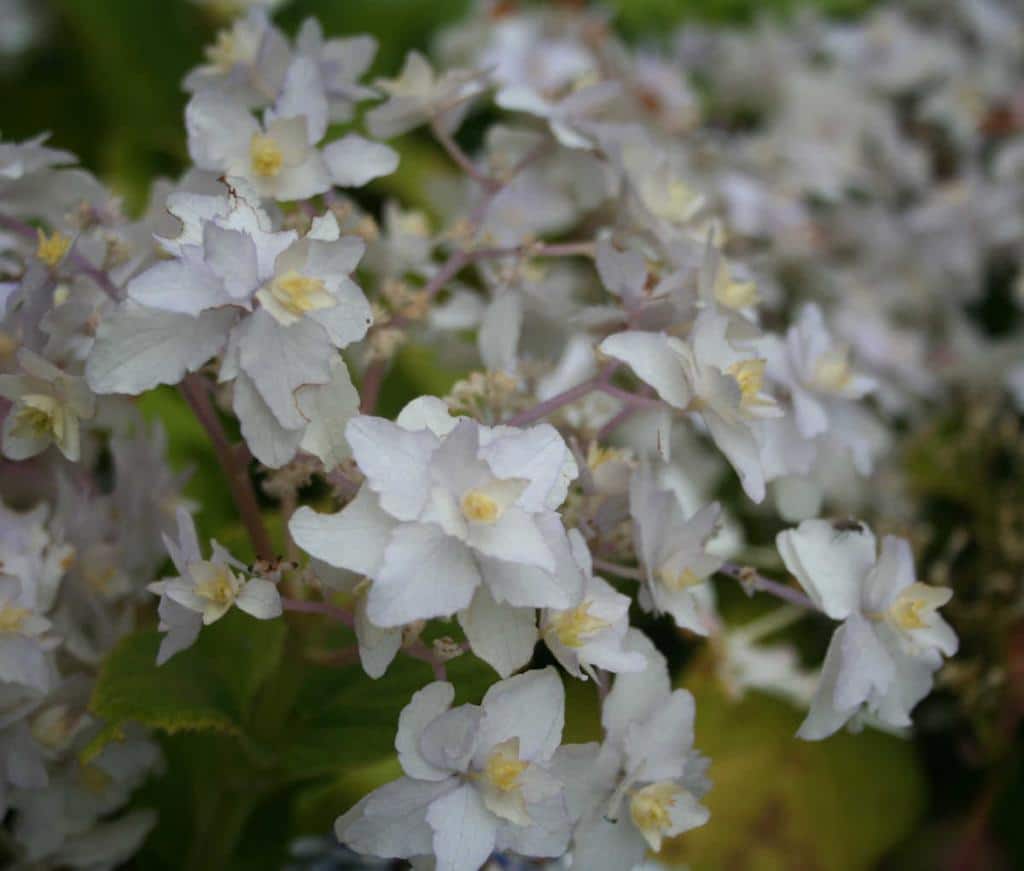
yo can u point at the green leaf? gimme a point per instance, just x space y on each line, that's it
206 688
343 719
778 802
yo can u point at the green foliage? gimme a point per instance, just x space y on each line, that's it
777 802
207 688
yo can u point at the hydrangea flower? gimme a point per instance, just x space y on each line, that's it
712 376
475 503
476 778
205 590
673 551
49 406
882 659
590 635
645 782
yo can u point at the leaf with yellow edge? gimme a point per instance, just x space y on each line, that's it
778 802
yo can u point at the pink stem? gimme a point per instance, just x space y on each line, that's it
636 574
762 584
460 157
194 389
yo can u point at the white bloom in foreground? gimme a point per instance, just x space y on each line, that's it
882 659
276 305
477 778
590 635
646 781
205 590
711 376
451 510
673 551
49 405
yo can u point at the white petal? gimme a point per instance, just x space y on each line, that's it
260 598
498 338
391 821
464 830
270 443
635 696
175 286
502 636
302 96
530 707
395 462
865 667
354 160
831 565
538 454
355 538
657 746
328 408
652 357
425 574
377 646
138 348
280 360
424 707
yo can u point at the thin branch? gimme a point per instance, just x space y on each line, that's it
194 389
417 650
461 159
621 571
755 582
369 390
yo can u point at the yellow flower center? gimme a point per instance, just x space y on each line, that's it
480 507
504 769
265 155
734 294
39 416
749 375
577 626
650 808
51 249
214 583
12 618
915 604
299 293
832 370
223 54
677 581
675 202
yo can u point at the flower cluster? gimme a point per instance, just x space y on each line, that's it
647 300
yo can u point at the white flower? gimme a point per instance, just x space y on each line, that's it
206 590
673 551
419 95
277 306
570 116
892 639
476 778
711 376
49 405
248 60
646 781
450 508
590 635
341 62
817 371
279 157
22 654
